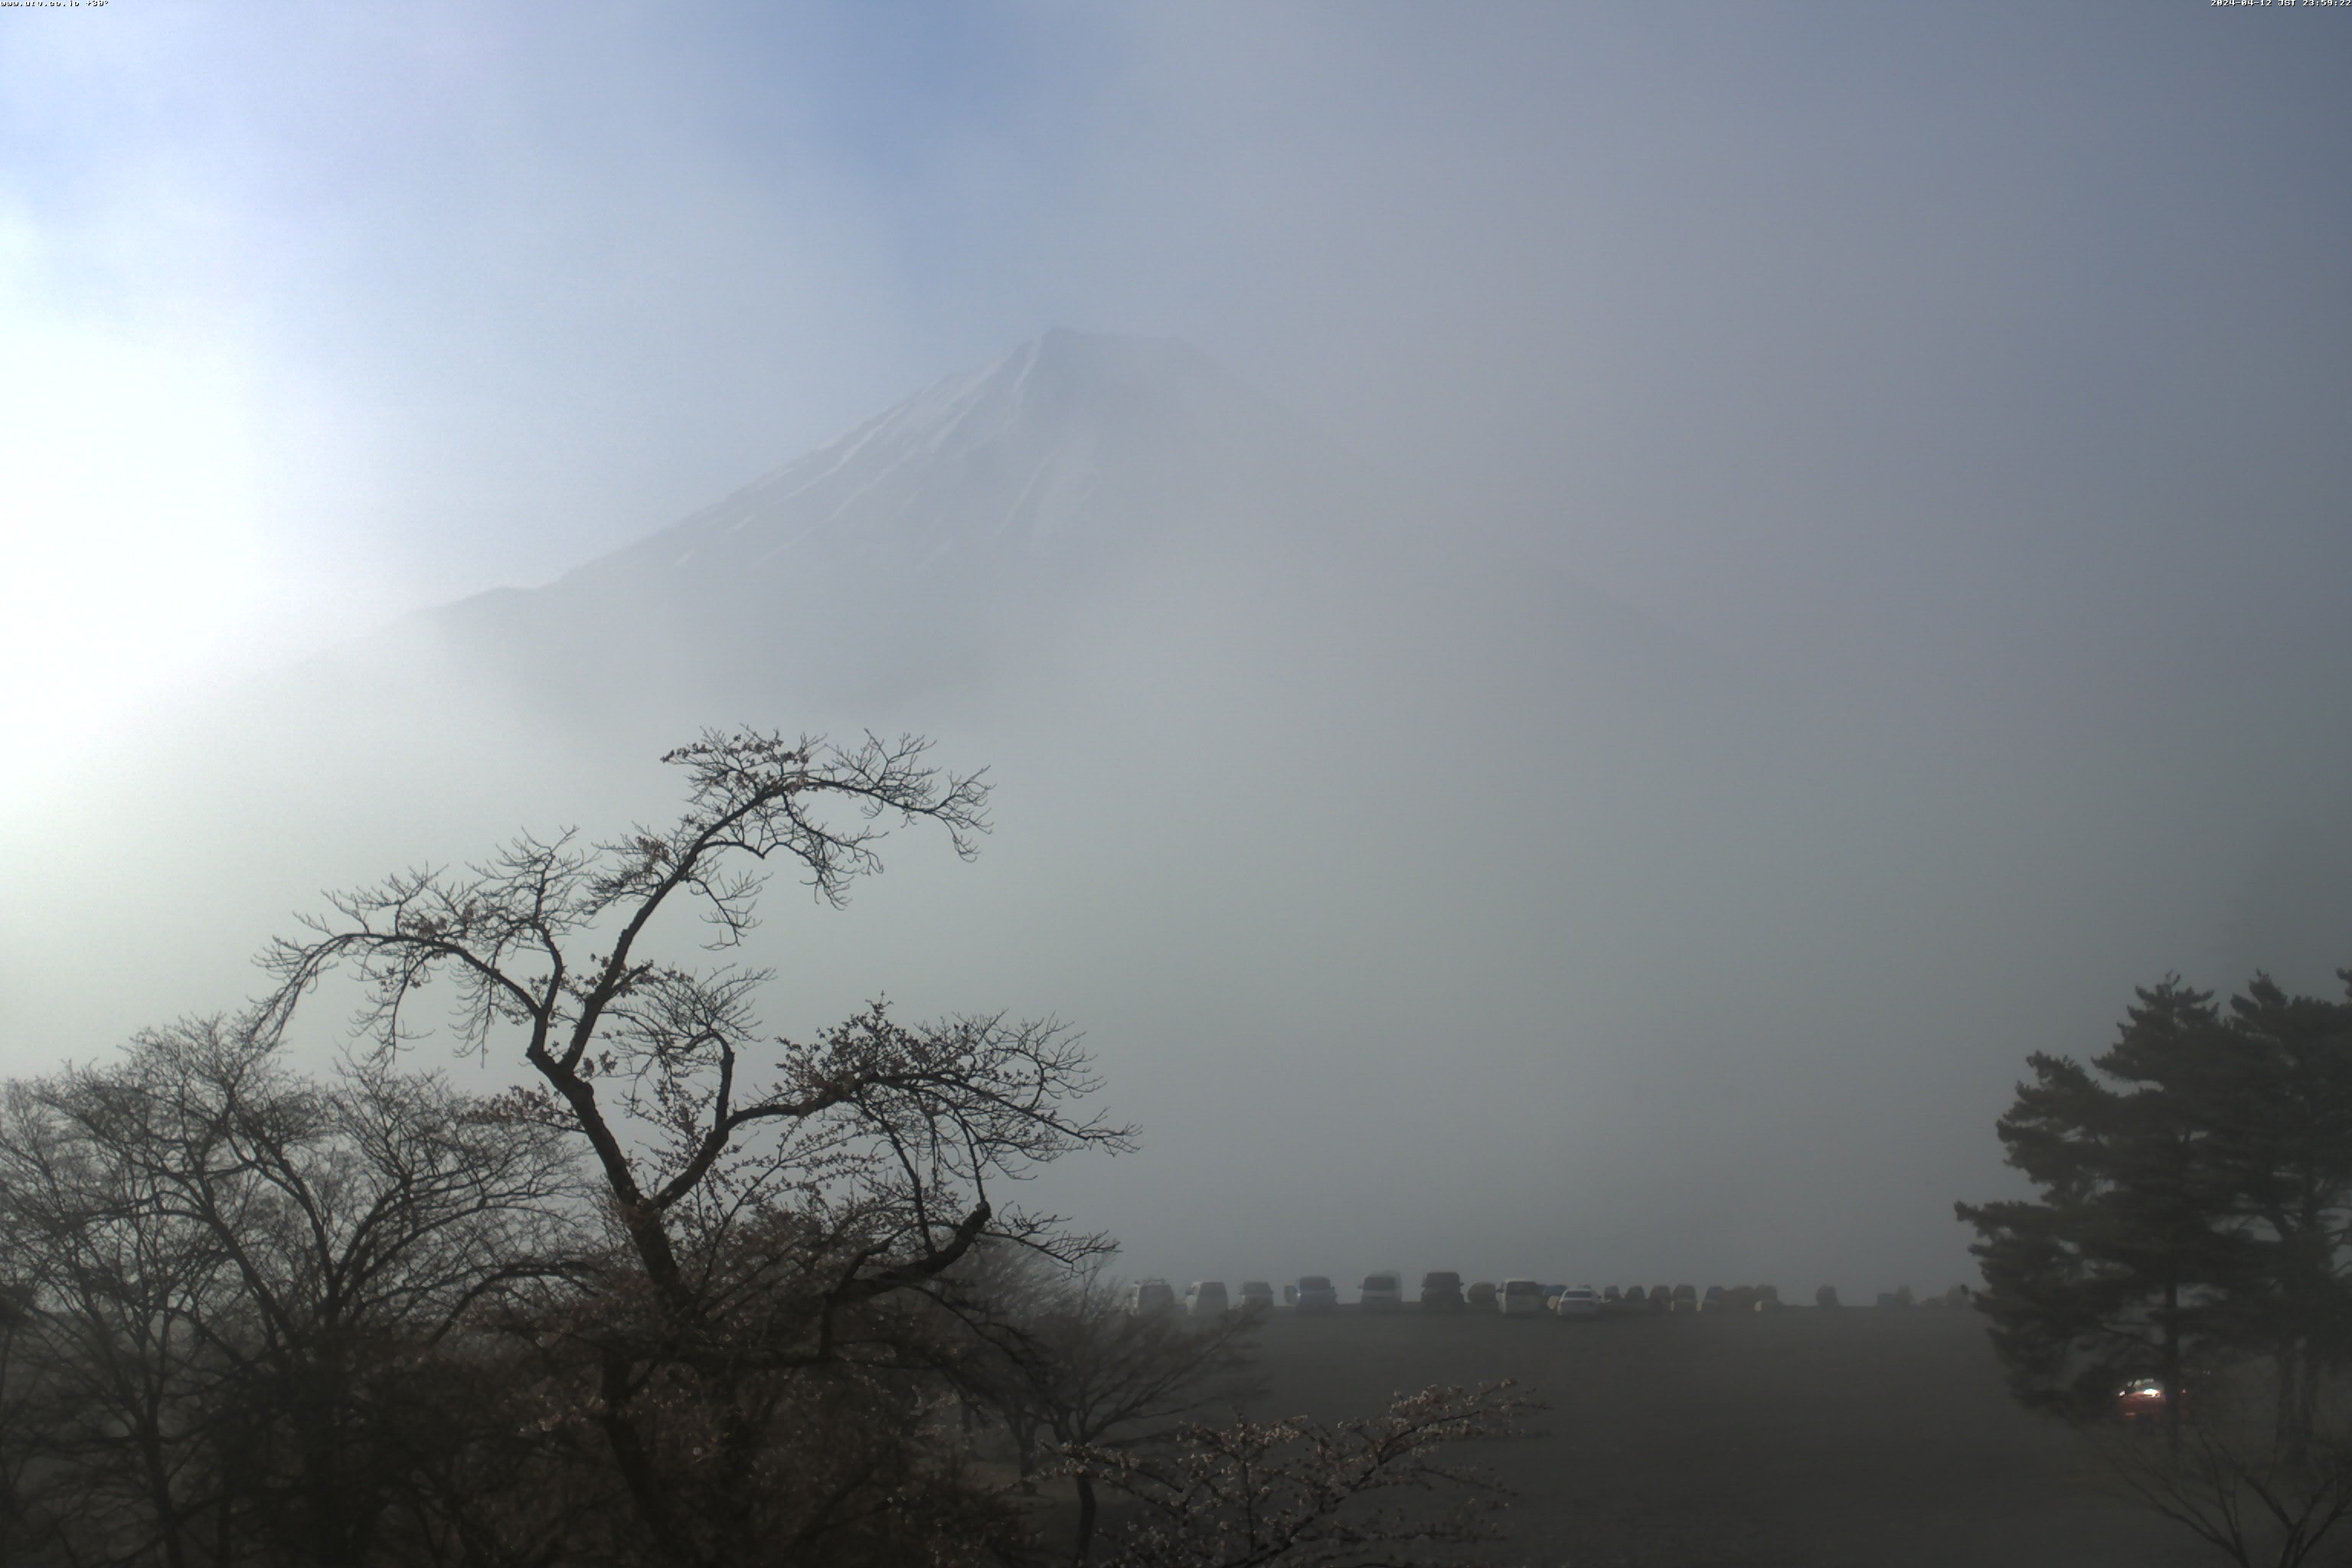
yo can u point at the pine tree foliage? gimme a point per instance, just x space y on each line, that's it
2115 1271
2192 1226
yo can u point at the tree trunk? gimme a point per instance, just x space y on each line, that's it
1085 1520
648 1499
167 1507
2171 1369
2306 1410
2282 1430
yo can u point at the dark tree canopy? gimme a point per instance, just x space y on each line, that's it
888 1136
2195 1193
775 1195
690 1293
240 1280
2193 1225
2114 1271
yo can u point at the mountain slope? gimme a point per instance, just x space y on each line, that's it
1071 444
982 526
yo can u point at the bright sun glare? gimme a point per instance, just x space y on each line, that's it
132 548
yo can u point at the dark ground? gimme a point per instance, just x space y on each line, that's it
1859 1437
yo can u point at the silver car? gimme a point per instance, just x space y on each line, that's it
1578 1301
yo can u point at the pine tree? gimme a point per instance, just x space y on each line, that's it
2195 1206
2284 1145
2118 1270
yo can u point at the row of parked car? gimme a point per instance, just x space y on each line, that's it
1443 1290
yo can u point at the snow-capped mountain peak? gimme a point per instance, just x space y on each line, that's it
1073 443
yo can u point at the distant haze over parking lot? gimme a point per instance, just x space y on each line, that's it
1647 607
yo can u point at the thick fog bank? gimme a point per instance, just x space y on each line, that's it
1428 908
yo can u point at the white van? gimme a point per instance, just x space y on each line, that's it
1206 1298
1520 1298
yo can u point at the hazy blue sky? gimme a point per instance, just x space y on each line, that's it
1843 329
